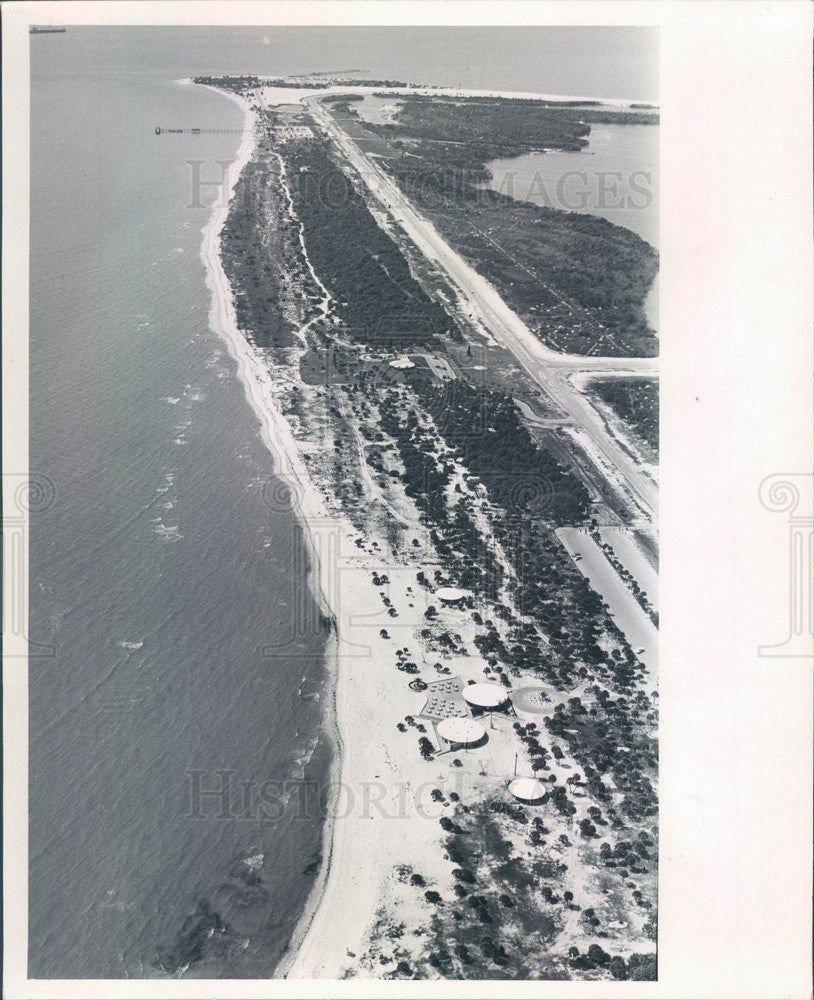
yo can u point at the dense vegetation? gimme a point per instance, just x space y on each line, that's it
520 476
594 738
510 124
579 281
254 273
373 83
636 400
237 83
496 910
601 116
486 128
379 301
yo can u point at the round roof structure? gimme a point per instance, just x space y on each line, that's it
485 695
534 700
527 789
460 730
451 594
402 363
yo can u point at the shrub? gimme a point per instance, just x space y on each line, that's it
599 956
463 953
618 969
464 875
641 967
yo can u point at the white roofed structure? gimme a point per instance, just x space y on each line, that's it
451 595
527 789
463 731
485 695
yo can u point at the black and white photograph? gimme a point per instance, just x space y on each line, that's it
332 559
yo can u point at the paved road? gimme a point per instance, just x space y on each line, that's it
549 369
630 554
628 614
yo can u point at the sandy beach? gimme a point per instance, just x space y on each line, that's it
294 95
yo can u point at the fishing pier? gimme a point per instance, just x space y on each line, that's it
159 130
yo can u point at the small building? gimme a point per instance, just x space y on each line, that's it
452 595
527 789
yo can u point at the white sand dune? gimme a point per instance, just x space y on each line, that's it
295 95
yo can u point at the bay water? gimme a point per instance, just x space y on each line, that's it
162 575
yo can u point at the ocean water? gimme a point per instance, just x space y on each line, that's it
165 575
167 578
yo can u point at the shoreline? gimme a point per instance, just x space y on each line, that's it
439 91
290 470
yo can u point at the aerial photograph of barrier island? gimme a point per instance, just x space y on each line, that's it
360 653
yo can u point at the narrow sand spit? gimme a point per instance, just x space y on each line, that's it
289 95
279 439
358 850
252 368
